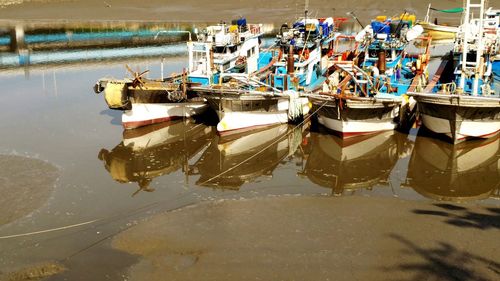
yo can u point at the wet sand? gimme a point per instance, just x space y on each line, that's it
213 11
25 184
316 238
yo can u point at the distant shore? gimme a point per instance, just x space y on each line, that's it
261 11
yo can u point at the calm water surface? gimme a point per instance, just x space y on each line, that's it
72 178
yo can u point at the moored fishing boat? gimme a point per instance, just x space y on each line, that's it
365 92
270 94
220 48
463 100
146 101
439 32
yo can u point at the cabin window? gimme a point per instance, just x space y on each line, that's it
219 50
251 52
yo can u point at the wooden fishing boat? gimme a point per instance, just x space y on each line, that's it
145 102
439 32
220 48
270 95
463 100
365 93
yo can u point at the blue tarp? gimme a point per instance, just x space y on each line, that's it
381 27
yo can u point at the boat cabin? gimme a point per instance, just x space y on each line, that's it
224 48
302 48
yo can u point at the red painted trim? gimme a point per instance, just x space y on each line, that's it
137 124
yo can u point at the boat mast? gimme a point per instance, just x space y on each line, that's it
426 19
477 39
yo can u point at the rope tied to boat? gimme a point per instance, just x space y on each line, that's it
267 147
449 88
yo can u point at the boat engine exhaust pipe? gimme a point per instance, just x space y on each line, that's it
381 61
290 62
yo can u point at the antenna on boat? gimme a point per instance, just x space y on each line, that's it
400 24
426 19
306 8
353 15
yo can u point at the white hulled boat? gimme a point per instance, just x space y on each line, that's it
463 100
270 95
365 94
220 48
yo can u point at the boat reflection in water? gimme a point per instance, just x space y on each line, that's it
152 151
233 160
457 173
350 164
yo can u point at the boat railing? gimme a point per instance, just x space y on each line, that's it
254 29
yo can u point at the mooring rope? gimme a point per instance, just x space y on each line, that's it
49 230
265 148
110 218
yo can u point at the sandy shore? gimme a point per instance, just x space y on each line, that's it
316 238
264 11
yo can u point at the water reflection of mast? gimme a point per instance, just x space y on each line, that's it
156 150
350 164
55 82
463 172
231 161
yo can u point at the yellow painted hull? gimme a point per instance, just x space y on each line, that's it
439 32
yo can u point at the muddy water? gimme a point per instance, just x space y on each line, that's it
81 193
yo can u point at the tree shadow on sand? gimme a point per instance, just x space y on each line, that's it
445 262
462 217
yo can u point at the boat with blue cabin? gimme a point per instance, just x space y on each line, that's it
296 63
463 99
218 49
365 92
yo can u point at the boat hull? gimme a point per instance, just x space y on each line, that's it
143 114
459 118
360 116
439 32
241 112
